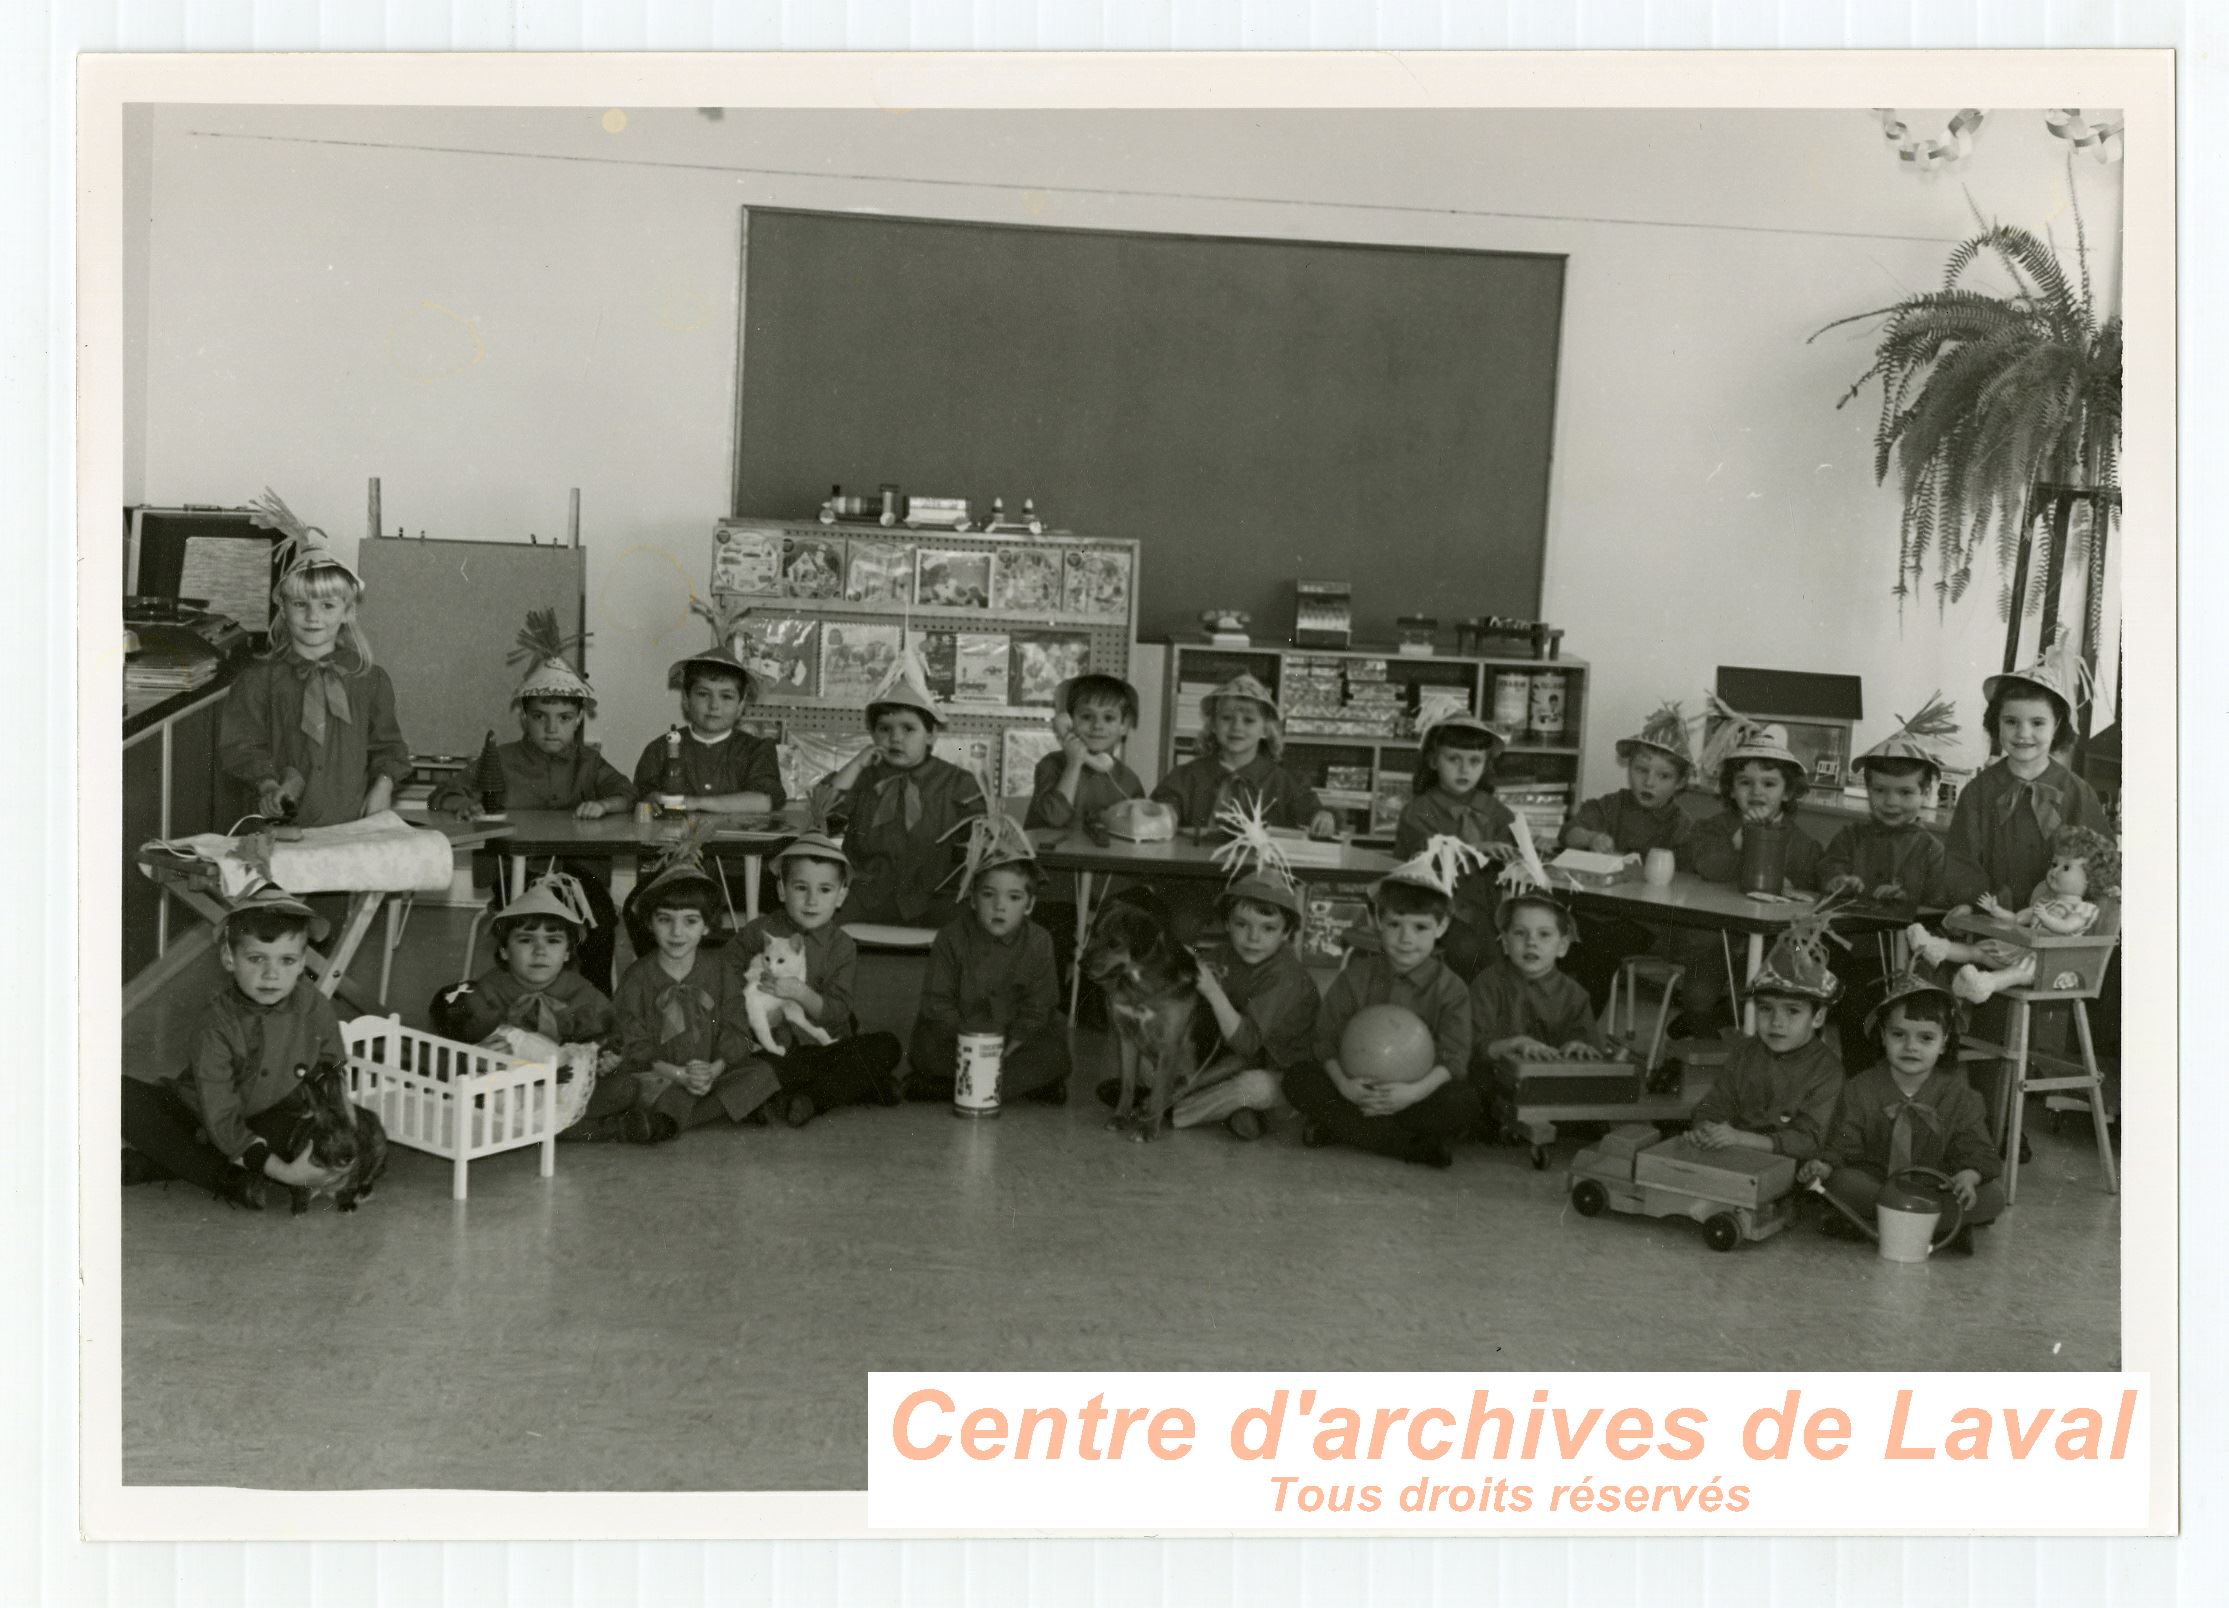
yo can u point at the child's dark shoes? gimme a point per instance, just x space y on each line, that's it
798 1110
1245 1124
1434 1153
1313 1137
645 1127
138 1169
242 1189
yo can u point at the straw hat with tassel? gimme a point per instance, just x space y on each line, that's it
2058 673
1665 731
301 546
545 650
1254 864
726 620
1920 740
994 839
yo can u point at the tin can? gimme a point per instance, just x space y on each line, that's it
1546 706
975 1086
645 812
1512 700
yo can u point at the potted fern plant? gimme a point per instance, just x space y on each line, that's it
1998 410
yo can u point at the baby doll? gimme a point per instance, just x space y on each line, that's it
2060 907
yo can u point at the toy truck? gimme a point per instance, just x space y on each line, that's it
1735 1194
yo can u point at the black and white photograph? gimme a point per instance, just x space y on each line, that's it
545 1069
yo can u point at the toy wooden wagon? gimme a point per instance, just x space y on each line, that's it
449 1099
1736 1194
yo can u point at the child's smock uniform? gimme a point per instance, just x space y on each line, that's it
1437 997
1095 792
736 763
896 823
1505 1003
2000 836
1605 941
694 1018
312 716
570 1010
978 983
1710 851
1277 1004
857 1068
1636 828
1909 856
1877 1131
533 780
1481 820
1199 786
1790 1097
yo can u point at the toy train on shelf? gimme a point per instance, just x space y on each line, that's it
889 506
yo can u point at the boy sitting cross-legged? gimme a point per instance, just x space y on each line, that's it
1777 1090
1417 1121
855 1068
215 1124
684 1036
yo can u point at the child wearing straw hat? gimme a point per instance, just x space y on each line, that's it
310 725
1521 1004
1421 1120
856 1068
991 971
1454 797
553 766
1241 741
1778 1088
684 1034
900 805
2000 836
1644 814
1912 1108
533 984
723 768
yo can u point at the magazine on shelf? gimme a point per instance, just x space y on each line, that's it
1045 659
854 657
747 562
980 670
812 566
952 580
939 660
784 655
1097 582
1029 581
878 572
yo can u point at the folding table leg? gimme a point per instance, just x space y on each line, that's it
2097 1097
398 913
2016 1092
1083 935
362 907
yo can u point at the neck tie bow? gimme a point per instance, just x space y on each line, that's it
1907 1117
681 1008
536 1012
323 696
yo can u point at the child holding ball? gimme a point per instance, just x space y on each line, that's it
311 724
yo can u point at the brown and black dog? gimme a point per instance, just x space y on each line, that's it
1163 1034
341 1136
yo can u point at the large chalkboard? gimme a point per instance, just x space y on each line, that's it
1252 411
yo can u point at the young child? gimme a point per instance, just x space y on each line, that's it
991 971
1912 1109
684 1036
1645 814
1264 1001
553 766
2000 836
857 1068
215 1124
1521 1005
311 724
900 805
1759 781
1095 717
1891 859
1420 1121
1454 797
1240 745
1777 1090
723 770
2082 861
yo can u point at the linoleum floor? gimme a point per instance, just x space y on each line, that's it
703 1315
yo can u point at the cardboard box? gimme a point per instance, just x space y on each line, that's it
1734 1176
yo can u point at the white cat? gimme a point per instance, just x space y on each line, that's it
782 957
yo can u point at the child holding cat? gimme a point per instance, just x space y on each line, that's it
810 966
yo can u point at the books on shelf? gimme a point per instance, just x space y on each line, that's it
747 562
939 660
1388 799
1043 660
812 566
1028 580
981 667
1544 805
1097 582
950 579
854 657
878 572
784 655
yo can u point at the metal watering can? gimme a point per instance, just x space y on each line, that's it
1916 1216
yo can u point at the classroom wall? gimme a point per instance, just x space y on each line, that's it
484 308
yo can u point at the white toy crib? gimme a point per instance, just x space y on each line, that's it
421 1084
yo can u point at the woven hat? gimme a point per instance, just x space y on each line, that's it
543 648
683 859
2057 673
1524 876
300 547
1666 732
993 839
814 846
1463 720
1240 686
1444 861
1797 962
726 621
556 894
270 896
1255 865
1735 737
1919 979
905 685
1918 740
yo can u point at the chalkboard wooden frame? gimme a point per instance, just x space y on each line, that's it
873 348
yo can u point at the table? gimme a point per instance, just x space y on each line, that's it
1069 849
532 834
1689 901
190 882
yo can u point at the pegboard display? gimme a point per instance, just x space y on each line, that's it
1050 606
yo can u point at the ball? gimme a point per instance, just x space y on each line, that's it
1386 1044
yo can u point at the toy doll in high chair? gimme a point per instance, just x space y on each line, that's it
2060 907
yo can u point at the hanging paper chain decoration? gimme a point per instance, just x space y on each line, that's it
2102 140
1924 154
